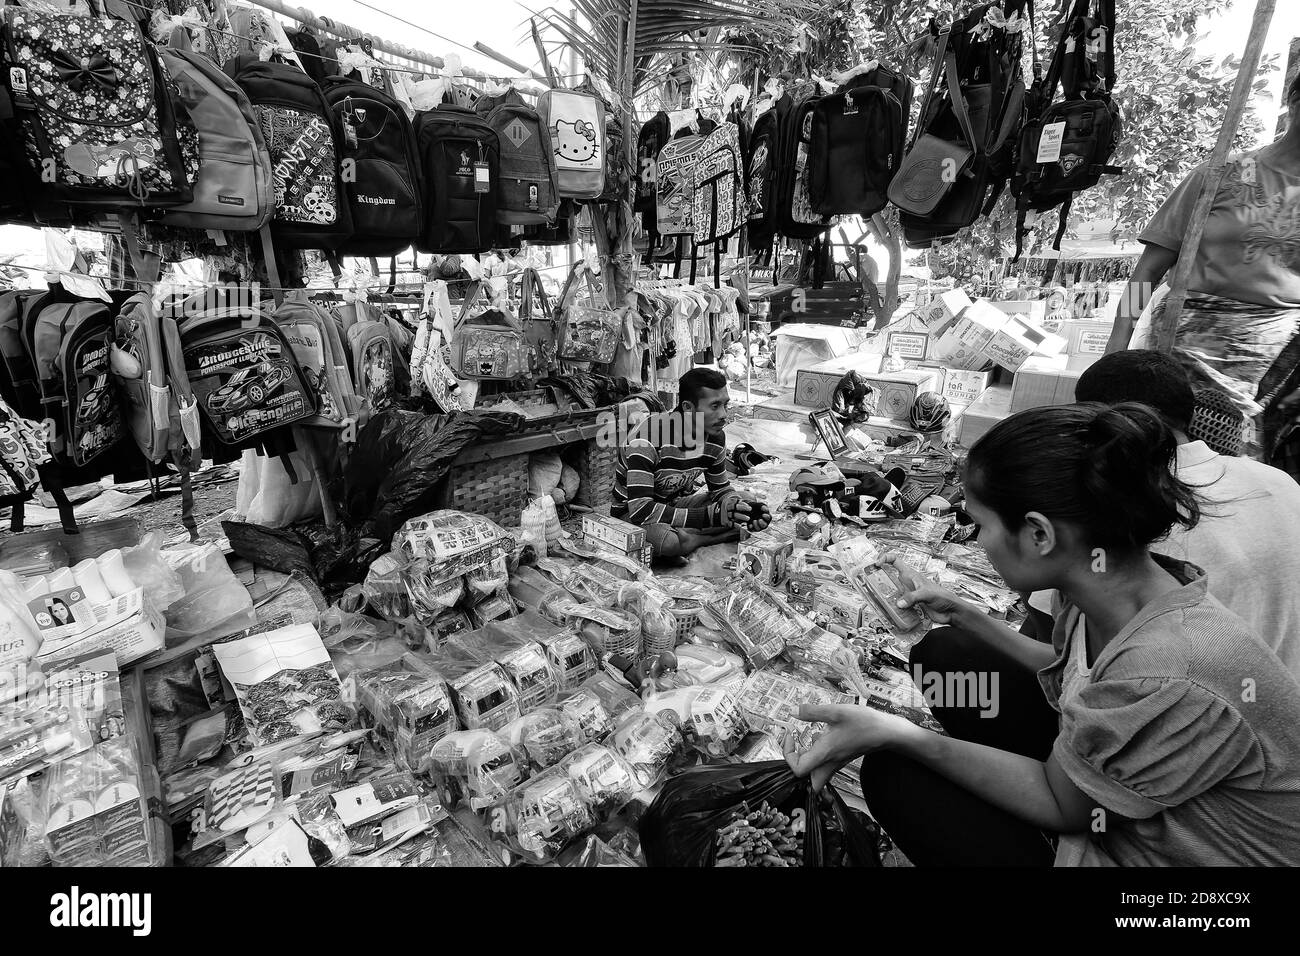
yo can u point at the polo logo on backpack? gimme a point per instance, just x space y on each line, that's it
528 193
70 345
99 116
243 372
460 155
233 189
301 136
576 123
857 143
796 216
1084 128
384 182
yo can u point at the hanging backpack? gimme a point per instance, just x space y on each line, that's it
383 179
19 386
233 190
717 194
318 350
245 377
487 103
650 141
302 137
98 112
460 156
957 163
528 190
675 186
762 161
22 453
1065 147
857 143
161 413
796 216
576 122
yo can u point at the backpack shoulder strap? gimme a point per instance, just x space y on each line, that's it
958 100
936 71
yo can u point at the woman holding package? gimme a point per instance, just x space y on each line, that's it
1178 731
1243 301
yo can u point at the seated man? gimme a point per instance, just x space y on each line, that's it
658 473
1249 511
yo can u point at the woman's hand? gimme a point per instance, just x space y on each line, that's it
939 605
851 731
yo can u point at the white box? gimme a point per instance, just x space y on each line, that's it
962 386
1034 308
1043 381
944 309
962 346
1017 340
129 625
992 407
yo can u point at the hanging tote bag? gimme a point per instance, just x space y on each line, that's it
540 328
588 333
490 346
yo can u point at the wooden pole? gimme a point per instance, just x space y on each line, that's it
1166 326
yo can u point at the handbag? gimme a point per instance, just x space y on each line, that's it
491 346
932 165
588 333
540 331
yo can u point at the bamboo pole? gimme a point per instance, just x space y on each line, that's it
1166 325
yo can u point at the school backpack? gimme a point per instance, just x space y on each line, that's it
19 386
970 119
99 113
318 349
576 123
22 453
651 138
371 358
460 156
161 414
302 136
717 192
857 143
796 216
487 103
528 190
243 372
762 160
675 186
233 189
1065 147
383 181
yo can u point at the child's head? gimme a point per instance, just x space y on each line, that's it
1059 488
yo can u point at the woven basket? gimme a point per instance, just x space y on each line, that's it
596 471
497 488
528 398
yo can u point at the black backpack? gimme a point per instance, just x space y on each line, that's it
1087 121
652 137
796 217
857 143
982 85
762 160
303 137
460 155
382 175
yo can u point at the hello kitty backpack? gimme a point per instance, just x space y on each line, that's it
576 122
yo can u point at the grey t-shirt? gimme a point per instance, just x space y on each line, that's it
1185 731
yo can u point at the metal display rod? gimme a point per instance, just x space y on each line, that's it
1166 326
342 30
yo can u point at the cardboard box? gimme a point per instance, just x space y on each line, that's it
1034 308
1019 339
944 309
1085 341
128 625
814 386
962 346
992 407
962 386
1043 382
897 391
622 536
764 556
841 605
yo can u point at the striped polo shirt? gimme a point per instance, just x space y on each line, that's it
659 466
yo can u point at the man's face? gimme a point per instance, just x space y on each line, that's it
712 405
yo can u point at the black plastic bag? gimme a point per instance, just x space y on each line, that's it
680 827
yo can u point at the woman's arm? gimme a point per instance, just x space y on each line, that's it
1151 268
1039 793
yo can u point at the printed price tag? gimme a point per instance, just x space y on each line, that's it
1049 144
482 178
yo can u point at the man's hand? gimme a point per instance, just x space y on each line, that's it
851 731
939 605
736 512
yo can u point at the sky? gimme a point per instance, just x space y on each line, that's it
503 25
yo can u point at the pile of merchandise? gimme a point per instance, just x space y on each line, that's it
470 702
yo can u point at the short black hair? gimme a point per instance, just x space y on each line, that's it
696 381
1140 375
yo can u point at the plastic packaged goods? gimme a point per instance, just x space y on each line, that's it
593 585
528 667
596 852
485 698
572 660
709 665
607 630
771 701
585 707
543 737
385 587
95 815
539 818
411 711
488 579
756 620
22 823
452 541
649 745
603 778
147 568
883 586
19 640
213 603
474 767
709 717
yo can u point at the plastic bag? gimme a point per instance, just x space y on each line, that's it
213 603
147 569
267 497
680 828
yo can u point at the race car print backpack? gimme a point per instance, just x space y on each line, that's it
244 375
576 123
302 136
99 114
